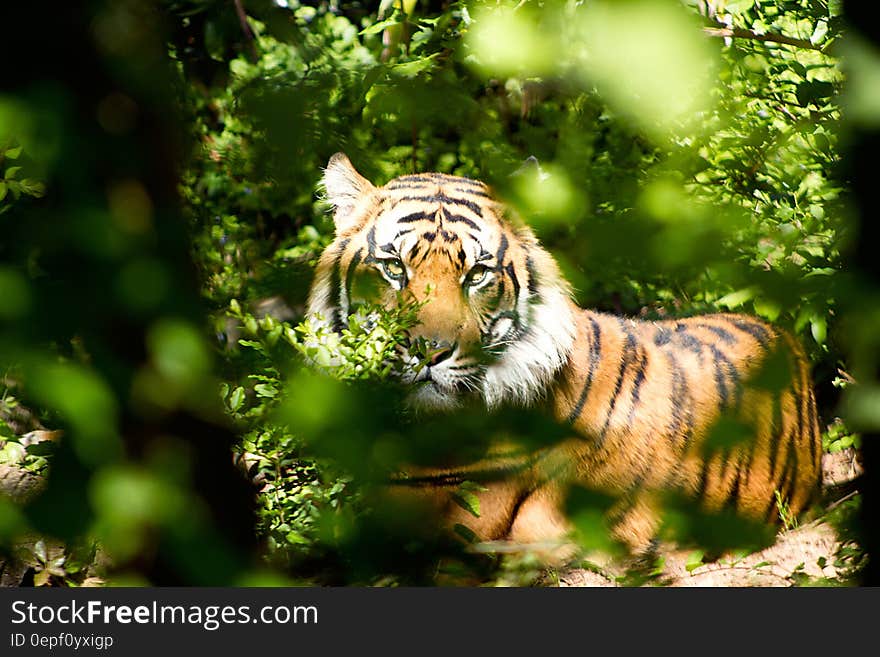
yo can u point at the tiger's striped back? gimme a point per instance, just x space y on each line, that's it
653 401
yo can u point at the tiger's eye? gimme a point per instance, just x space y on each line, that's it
476 275
394 269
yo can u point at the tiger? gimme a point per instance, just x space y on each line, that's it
638 398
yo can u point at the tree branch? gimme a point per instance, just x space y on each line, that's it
741 33
250 38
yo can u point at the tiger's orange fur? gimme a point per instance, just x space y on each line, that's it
641 398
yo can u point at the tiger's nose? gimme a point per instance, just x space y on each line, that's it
440 351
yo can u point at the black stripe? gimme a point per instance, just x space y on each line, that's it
417 216
629 356
776 434
409 178
457 218
447 178
444 200
732 499
721 384
726 375
499 293
459 180
436 175
474 192
805 390
425 185
681 399
349 273
719 360
688 341
502 250
470 205
371 245
431 180
704 478
336 287
760 333
726 336
432 177
514 325
791 465
662 336
786 483
533 276
595 356
637 384
512 273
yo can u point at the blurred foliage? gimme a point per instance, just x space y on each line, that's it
102 334
687 162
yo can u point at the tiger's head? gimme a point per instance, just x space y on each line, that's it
495 313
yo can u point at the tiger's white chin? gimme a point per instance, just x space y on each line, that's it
431 398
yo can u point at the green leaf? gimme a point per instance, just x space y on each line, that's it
236 399
11 172
694 561
767 308
295 538
465 532
413 68
40 551
12 153
819 33
2 190
810 92
739 6
736 299
819 329
467 501
381 25
253 344
266 390
33 187
799 68
466 497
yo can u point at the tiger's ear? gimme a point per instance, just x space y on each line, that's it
344 187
